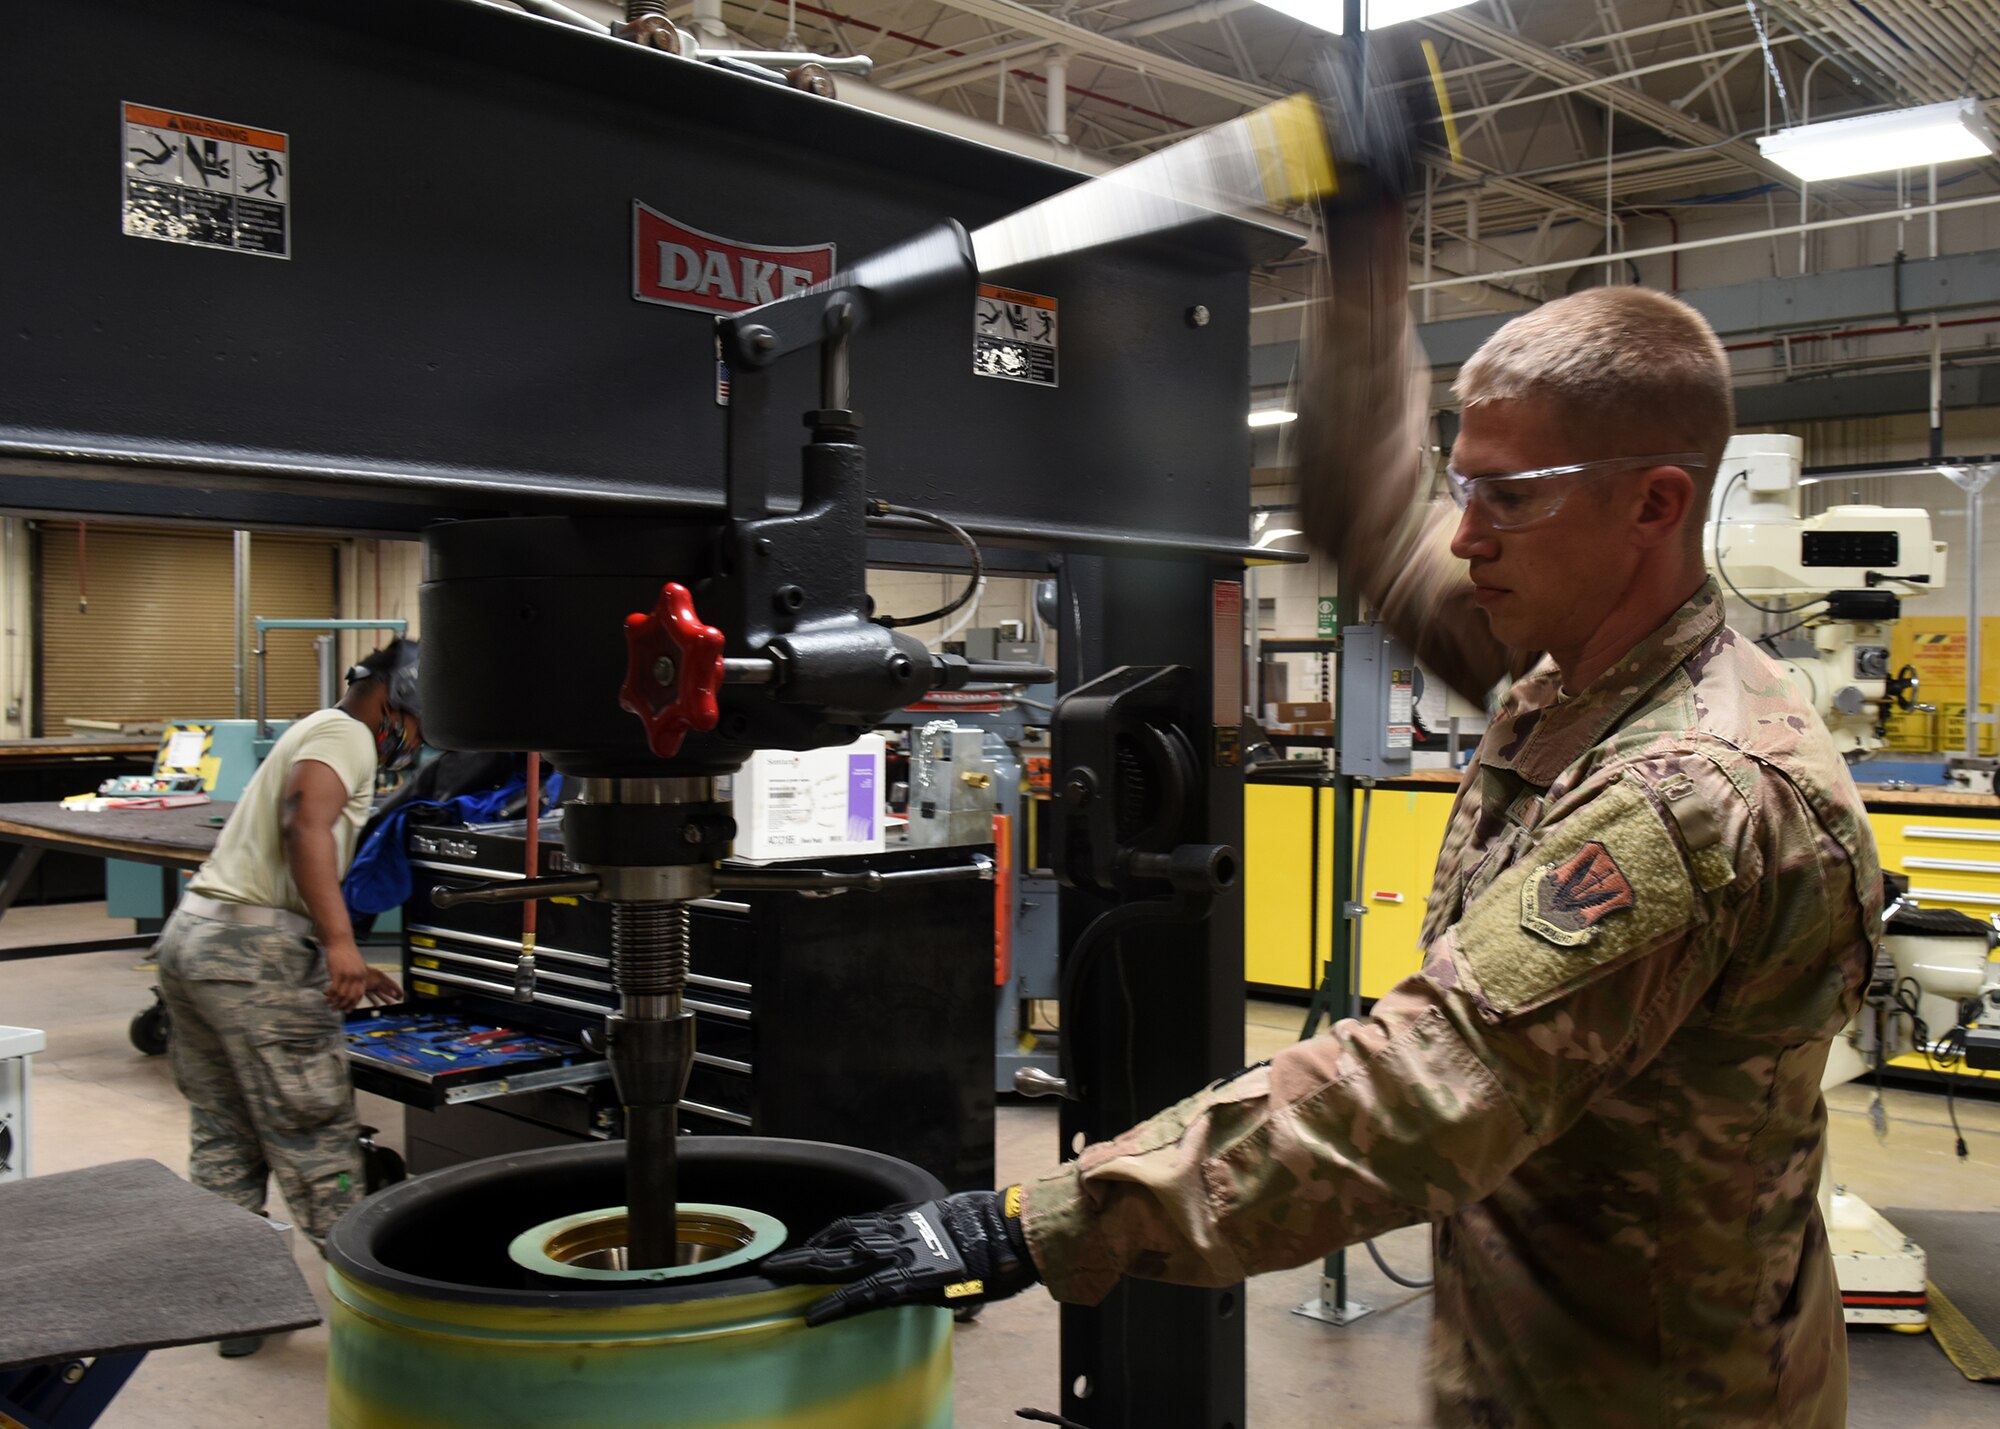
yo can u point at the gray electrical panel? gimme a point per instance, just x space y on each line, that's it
1379 689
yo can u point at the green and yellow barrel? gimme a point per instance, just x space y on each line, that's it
491 1294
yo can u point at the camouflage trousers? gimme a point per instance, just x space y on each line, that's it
258 1053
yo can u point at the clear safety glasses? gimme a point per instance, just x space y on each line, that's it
1510 500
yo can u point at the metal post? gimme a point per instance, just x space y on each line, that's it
329 689
240 553
1163 1020
1975 492
1338 987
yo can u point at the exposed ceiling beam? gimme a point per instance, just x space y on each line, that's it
923 78
1534 194
1628 99
1047 28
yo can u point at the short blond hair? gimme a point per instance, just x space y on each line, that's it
1633 368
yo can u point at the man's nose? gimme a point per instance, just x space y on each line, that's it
1474 538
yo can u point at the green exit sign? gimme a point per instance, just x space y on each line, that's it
1329 615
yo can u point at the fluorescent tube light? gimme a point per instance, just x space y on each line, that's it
1272 417
1875 143
1330 15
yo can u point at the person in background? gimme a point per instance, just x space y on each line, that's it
258 961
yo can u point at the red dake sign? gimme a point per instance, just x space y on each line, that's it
682 267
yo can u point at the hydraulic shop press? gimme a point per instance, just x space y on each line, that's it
646 724
485 327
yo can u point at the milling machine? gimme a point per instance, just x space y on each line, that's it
1843 573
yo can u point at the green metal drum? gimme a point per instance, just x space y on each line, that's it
434 1325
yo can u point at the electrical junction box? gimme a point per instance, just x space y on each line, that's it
1379 688
813 803
17 1046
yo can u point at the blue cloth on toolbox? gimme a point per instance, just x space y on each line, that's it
379 878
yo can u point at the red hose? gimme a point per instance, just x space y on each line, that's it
534 849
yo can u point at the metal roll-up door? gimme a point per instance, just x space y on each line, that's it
140 625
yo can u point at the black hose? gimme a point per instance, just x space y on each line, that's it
1383 1266
964 538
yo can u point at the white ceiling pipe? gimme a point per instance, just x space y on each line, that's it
896 105
1819 225
1591 42
1617 79
1057 84
1612 79
708 26
1759 236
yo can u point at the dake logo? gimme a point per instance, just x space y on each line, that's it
682 267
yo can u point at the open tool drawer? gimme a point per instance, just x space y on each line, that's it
429 1056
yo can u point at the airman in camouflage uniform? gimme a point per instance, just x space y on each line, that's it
258 1052
258 961
1655 906
1653 910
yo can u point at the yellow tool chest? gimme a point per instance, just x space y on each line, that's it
1946 844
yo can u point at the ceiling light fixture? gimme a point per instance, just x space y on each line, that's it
1876 143
1329 15
1272 416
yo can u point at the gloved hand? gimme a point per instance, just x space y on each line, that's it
964 1250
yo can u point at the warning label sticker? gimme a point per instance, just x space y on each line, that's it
208 182
1402 705
1014 336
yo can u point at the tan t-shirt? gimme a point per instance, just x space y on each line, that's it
248 865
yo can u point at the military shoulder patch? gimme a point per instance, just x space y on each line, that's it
1564 902
1608 881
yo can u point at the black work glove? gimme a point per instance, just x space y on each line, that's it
964 1250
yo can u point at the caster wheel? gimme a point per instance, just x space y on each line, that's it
380 1165
149 1030
1911 1329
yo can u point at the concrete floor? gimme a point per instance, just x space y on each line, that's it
95 1100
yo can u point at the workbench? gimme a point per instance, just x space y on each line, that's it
174 840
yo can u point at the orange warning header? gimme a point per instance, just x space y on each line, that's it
207 128
1013 295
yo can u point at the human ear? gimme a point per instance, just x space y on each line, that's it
1665 500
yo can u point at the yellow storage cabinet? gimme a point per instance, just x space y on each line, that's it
1406 825
1287 899
1282 889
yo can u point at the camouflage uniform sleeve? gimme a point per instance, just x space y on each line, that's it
1564 977
1363 407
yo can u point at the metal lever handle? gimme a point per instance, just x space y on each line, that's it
519 890
827 880
1034 1082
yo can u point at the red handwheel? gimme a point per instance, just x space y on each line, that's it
673 670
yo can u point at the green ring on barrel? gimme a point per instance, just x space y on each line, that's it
530 1248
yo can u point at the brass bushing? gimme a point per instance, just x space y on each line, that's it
592 1245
